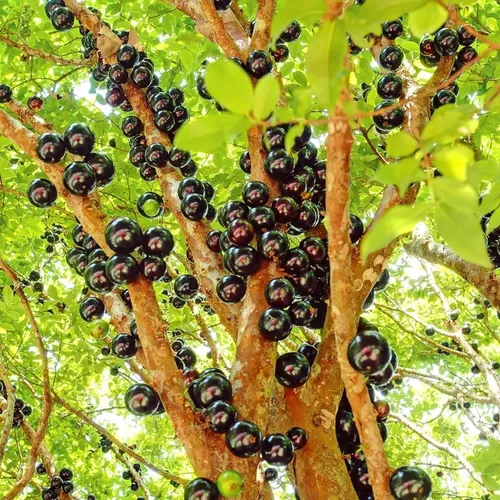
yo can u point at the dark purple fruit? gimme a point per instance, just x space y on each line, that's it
285 209
232 210
194 207
89 243
148 172
132 126
103 168
298 437
118 74
383 281
49 147
410 483
157 241
291 32
443 97
272 244
79 139
91 308
127 55
53 5
142 76
467 55
259 63
96 278
302 139
271 474
201 87
137 155
279 293
240 232
141 399
123 235
277 449
231 289
186 287
190 185
392 29
315 250
189 170
368 352
356 230
307 217
280 53
430 61
309 351
164 121
73 254
213 387
245 162
221 416
79 178
179 158
212 241
122 269
296 261
274 138
446 42
255 194
390 119
262 218
187 355
124 346
201 489
42 193
243 261
390 86
243 439
465 37
292 369
275 324
153 267
301 312
62 19
391 57
157 155
177 95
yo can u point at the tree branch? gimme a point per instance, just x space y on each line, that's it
432 281
262 29
31 52
221 36
344 313
440 446
47 399
29 117
135 474
484 280
82 416
437 381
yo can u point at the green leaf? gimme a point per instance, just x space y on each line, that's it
427 18
453 161
230 85
267 94
325 62
401 144
462 232
208 133
449 123
456 194
389 9
396 221
494 221
291 135
307 13
491 200
492 100
362 20
401 174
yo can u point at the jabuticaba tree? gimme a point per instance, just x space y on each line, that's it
249 250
